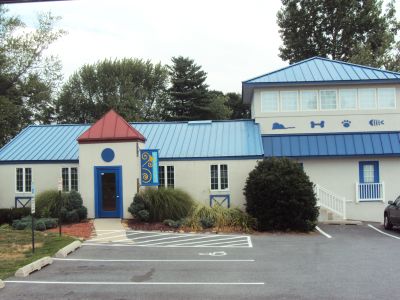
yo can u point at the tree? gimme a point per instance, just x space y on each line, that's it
136 89
238 109
349 30
189 96
219 109
281 196
28 78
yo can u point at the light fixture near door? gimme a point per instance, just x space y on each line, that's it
107 154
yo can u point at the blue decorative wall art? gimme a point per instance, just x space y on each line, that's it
280 126
107 155
314 124
374 122
346 123
149 167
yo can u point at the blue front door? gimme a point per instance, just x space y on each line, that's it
108 189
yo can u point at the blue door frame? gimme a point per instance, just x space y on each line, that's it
99 212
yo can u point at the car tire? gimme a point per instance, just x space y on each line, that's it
386 222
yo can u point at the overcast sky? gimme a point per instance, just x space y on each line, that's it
233 40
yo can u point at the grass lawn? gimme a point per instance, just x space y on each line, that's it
16 251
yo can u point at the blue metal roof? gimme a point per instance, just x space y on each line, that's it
317 69
176 140
334 144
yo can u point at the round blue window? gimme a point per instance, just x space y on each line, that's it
107 155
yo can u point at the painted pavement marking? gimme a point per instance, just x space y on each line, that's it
129 283
167 239
157 260
323 232
380 231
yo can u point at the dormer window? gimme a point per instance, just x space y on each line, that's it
328 100
270 101
289 101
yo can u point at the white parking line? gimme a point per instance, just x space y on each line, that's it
154 260
387 234
158 246
323 232
189 241
130 283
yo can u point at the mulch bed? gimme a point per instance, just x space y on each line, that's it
159 226
81 230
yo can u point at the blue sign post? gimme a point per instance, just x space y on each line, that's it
149 167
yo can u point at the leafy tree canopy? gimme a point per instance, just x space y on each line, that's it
350 30
136 89
28 78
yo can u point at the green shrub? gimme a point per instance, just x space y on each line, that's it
71 217
73 200
40 226
219 217
48 203
143 215
281 196
7 215
158 205
172 223
50 223
82 212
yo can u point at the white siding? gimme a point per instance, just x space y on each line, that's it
44 176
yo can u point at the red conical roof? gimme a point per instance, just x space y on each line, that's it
111 127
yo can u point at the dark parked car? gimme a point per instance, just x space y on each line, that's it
392 214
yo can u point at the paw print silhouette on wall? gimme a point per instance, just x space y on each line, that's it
346 123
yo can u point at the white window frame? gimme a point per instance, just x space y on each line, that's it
219 177
281 102
24 191
165 185
277 102
320 100
340 99
375 99
301 99
69 178
394 94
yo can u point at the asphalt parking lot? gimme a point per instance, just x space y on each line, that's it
341 262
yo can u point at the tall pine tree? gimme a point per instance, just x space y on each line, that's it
350 30
189 96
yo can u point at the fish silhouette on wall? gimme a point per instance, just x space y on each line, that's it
280 126
374 122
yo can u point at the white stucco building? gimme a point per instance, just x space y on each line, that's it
340 121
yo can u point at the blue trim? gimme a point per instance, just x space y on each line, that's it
361 165
19 198
212 158
226 197
253 85
329 133
107 155
19 162
117 170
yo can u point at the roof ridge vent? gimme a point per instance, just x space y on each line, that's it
201 122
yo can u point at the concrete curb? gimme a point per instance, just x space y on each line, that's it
68 249
1 284
34 266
